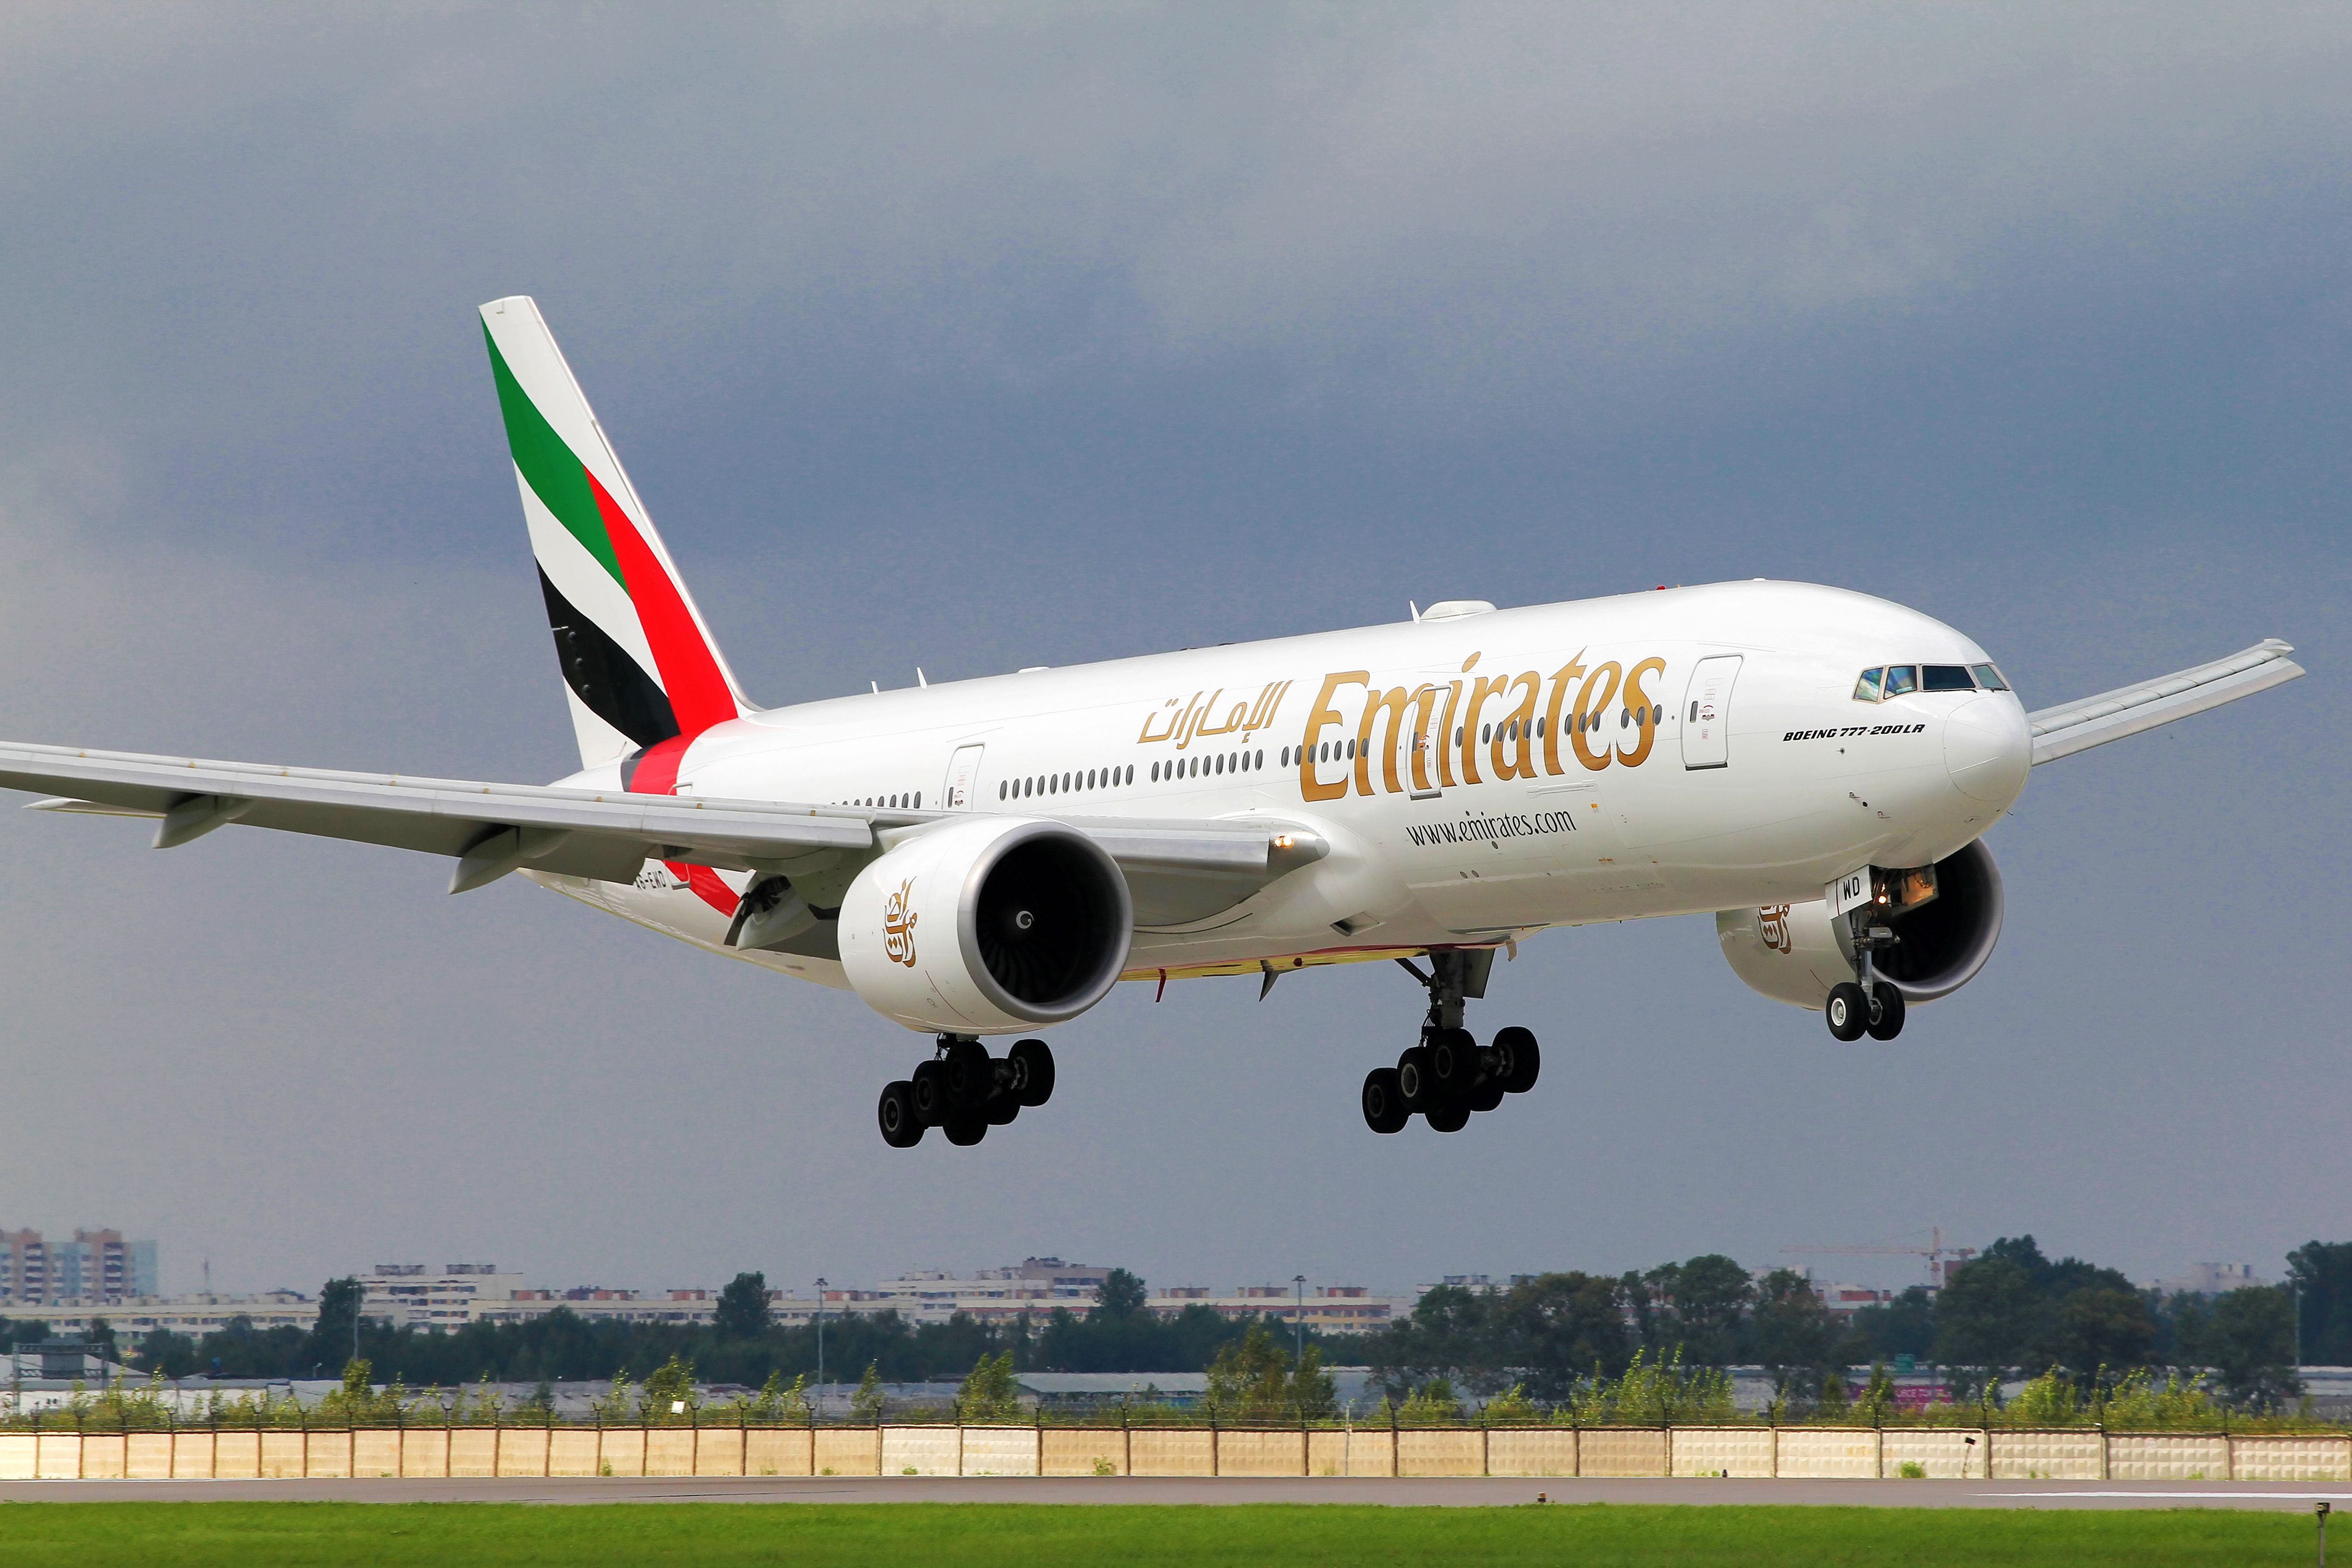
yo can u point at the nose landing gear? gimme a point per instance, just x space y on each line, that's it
964 1092
1448 1077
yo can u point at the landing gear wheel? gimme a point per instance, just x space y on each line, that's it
1453 1061
1847 1010
1488 1095
966 1131
902 1127
969 1076
1032 1072
1412 1080
1000 1109
1521 1061
927 1085
1887 1017
1450 1117
1385 1109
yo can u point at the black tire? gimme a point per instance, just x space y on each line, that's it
1414 1084
1488 1095
1032 1072
1453 1062
1449 1117
902 1127
1847 1011
1888 1020
928 1085
1383 1100
1522 1059
971 1074
965 1131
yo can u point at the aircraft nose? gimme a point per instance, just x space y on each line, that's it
1987 748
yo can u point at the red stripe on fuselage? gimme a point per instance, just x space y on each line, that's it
699 694
706 886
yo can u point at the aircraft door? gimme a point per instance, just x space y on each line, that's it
1706 713
963 778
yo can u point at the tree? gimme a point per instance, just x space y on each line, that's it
1556 1328
2322 1272
1792 1334
989 1392
866 1405
742 1311
1702 1304
1905 1326
2248 1339
337 1323
1250 1377
1121 1297
1985 1317
668 1386
2102 1327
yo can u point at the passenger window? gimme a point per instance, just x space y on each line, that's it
1902 679
1989 677
1866 689
1948 678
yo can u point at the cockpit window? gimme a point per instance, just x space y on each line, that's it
1902 679
1948 678
1866 689
1989 677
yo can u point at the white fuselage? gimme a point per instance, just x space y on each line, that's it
1552 765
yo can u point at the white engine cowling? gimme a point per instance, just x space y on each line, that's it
1795 952
987 926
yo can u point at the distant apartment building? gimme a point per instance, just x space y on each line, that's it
409 1296
96 1266
1329 1309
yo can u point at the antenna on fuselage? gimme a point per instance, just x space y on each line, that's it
1414 608
918 677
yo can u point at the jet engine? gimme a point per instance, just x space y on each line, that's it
987 926
1795 952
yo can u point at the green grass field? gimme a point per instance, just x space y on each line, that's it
1034 1536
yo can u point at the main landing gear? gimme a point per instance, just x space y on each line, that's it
1449 1074
1867 1005
964 1091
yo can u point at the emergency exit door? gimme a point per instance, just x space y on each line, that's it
1706 713
963 777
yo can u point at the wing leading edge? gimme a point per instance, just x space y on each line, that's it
2075 726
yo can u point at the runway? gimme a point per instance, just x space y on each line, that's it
1450 1493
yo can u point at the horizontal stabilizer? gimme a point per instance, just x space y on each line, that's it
2111 715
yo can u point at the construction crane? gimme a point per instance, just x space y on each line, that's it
1935 1252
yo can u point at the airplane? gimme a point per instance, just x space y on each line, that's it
1814 768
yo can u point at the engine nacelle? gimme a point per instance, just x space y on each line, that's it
987 926
1795 952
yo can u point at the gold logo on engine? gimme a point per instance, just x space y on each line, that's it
898 925
1774 924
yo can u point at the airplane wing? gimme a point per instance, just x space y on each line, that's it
491 829
2075 726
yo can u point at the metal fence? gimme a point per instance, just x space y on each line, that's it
1565 1452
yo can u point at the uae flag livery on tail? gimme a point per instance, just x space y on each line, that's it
643 676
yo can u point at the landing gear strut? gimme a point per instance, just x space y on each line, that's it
1448 1075
1865 1005
964 1091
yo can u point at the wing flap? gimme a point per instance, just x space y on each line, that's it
2078 726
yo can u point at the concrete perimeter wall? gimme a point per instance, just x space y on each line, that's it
1807 1452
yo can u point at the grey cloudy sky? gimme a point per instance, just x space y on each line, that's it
979 338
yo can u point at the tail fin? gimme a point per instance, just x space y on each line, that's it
641 666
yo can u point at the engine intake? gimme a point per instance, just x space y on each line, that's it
1795 952
988 925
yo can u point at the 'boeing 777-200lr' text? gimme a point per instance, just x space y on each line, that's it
1814 767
